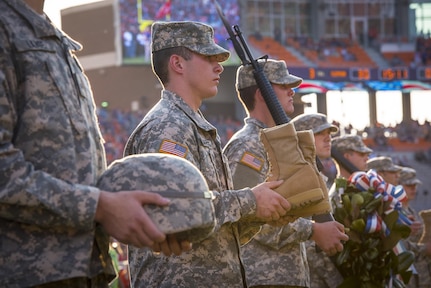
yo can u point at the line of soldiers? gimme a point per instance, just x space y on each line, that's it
58 210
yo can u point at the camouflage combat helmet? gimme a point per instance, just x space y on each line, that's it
190 214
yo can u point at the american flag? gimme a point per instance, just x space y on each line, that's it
252 161
173 148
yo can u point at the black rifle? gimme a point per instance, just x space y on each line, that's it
271 100
244 54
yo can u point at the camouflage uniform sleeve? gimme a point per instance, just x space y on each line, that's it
278 237
27 191
246 166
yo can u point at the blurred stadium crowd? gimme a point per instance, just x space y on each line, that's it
117 125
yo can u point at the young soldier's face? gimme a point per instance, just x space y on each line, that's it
358 159
323 143
285 97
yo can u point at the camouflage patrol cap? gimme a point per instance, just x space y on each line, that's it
383 163
408 177
350 142
190 214
197 37
316 122
275 70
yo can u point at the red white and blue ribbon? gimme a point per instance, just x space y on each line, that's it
394 195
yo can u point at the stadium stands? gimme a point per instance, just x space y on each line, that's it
275 50
117 125
326 53
339 52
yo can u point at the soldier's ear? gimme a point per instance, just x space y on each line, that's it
176 63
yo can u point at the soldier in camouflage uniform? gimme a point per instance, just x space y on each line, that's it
353 150
276 256
323 272
395 175
50 158
386 168
187 62
422 250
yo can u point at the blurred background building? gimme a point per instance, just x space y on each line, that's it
366 64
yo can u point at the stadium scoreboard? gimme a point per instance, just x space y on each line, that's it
424 73
394 73
359 74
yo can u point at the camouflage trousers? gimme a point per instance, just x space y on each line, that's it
81 282
423 278
323 273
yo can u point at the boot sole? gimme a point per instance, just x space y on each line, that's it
306 198
322 207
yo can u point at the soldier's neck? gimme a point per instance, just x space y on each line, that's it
36 5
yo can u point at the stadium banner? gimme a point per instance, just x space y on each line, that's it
362 74
320 86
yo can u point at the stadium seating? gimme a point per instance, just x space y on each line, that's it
275 50
405 57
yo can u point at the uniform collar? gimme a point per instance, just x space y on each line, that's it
254 121
196 116
43 28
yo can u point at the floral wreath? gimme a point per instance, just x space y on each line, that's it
371 211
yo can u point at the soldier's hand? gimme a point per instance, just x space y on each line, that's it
122 216
271 206
172 246
329 236
416 228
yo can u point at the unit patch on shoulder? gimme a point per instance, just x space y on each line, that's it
252 161
174 148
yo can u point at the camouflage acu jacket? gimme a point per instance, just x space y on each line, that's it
276 255
49 142
173 127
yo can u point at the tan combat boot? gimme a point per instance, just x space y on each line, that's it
426 217
301 186
308 148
